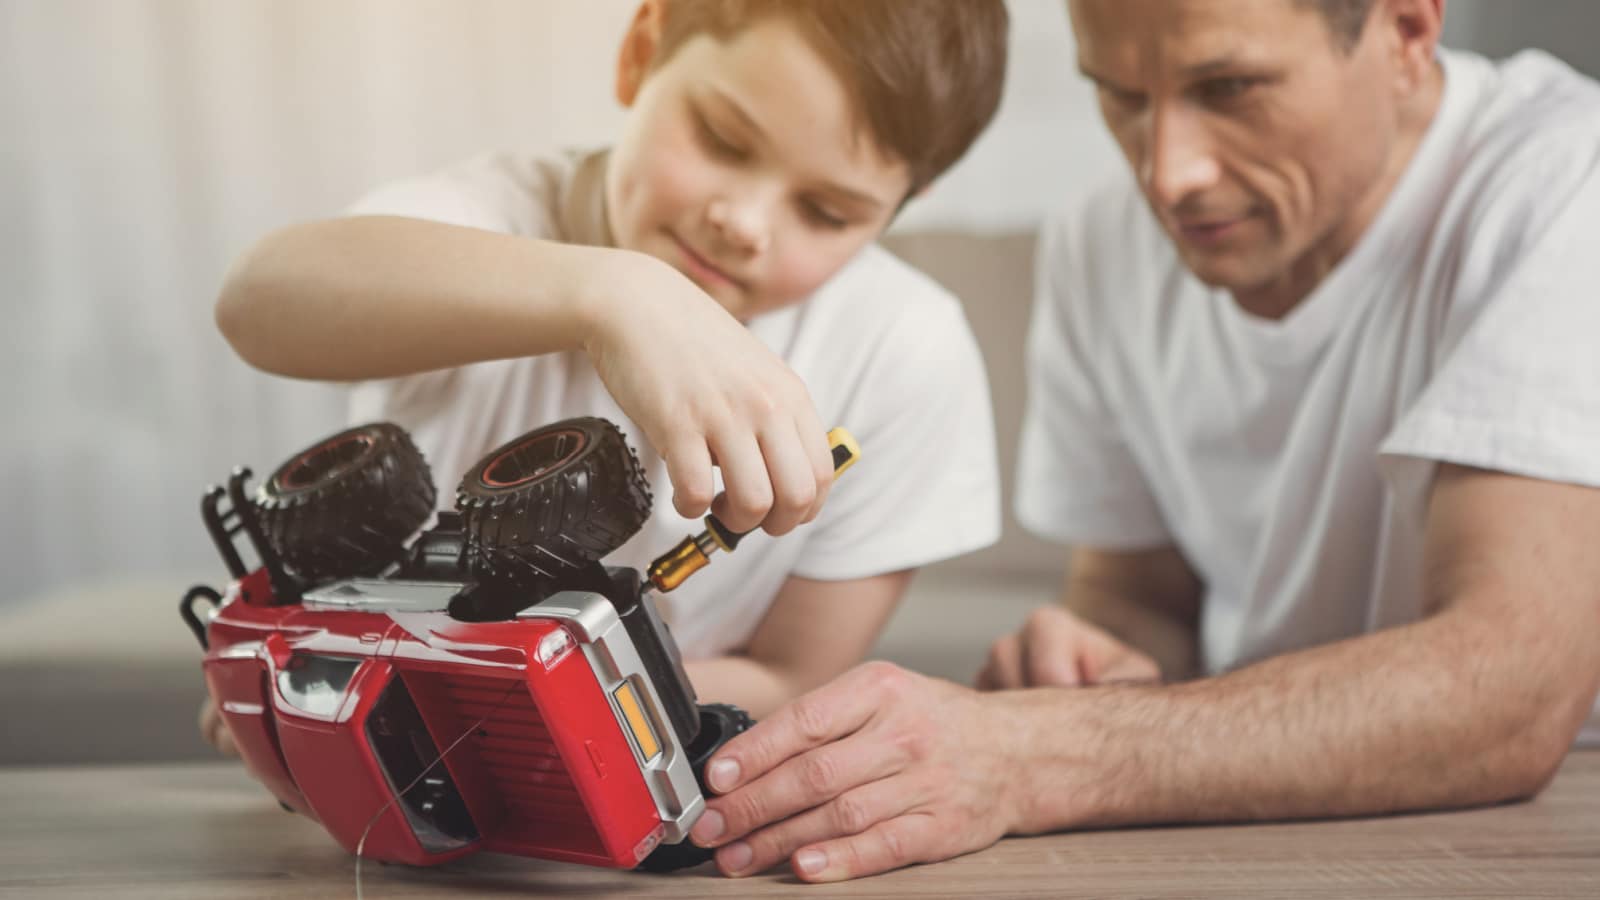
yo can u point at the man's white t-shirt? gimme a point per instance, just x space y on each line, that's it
1291 460
883 350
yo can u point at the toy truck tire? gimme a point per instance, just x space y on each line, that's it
346 505
552 501
719 722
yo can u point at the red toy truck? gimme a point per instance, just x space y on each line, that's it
485 684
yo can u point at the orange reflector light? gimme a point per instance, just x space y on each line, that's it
633 714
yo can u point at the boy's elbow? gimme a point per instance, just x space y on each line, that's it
239 310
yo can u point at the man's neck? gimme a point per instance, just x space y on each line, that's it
1277 298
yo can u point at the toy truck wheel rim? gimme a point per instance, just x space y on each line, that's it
528 461
327 460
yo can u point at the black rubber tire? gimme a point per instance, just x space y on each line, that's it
552 501
719 722
346 505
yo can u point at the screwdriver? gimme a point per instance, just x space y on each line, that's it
694 553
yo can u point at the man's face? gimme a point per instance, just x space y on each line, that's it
742 166
1257 140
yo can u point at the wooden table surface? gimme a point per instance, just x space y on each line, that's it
206 830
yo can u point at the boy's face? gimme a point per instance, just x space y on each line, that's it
1261 145
741 164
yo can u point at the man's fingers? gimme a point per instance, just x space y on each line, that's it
813 779
850 813
821 716
746 488
898 842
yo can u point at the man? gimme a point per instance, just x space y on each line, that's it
1314 403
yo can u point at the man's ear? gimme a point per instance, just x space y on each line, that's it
639 47
1414 27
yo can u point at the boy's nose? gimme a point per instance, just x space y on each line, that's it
741 225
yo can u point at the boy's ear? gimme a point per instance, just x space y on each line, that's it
639 46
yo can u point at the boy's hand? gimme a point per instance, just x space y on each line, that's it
706 392
214 730
1057 649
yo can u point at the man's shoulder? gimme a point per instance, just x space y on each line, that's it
1532 111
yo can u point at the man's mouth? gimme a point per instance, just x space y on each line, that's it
699 268
1206 231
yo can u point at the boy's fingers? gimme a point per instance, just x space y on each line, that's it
814 438
1050 647
746 488
1003 670
794 485
689 468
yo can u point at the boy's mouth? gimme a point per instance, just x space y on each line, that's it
700 268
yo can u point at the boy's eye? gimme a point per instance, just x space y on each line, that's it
819 215
716 143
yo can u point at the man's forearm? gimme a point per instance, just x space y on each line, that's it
1437 714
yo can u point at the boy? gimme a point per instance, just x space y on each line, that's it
708 284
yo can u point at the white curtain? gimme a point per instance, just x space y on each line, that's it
145 143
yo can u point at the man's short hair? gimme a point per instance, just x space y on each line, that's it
925 74
1346 19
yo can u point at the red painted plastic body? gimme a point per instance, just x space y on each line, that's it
546 772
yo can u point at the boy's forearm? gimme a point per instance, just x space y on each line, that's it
1436 714
381 296
755 687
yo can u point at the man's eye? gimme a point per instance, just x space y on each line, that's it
820 216
1122 99
1222 90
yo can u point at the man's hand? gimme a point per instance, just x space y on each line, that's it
1057 649
214 730
706 391
879 769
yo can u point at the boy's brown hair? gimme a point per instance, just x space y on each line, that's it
925 74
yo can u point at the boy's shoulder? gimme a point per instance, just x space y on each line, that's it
879 287
524 193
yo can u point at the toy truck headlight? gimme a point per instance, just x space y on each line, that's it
553 647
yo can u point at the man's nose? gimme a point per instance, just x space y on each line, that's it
1179 159
741 220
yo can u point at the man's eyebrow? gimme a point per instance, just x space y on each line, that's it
1212 66
1192 72
1102 80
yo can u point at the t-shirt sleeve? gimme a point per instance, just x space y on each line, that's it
1517 390
1076 481
927 486
494 192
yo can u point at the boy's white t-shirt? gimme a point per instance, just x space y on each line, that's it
1291 460
883 350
